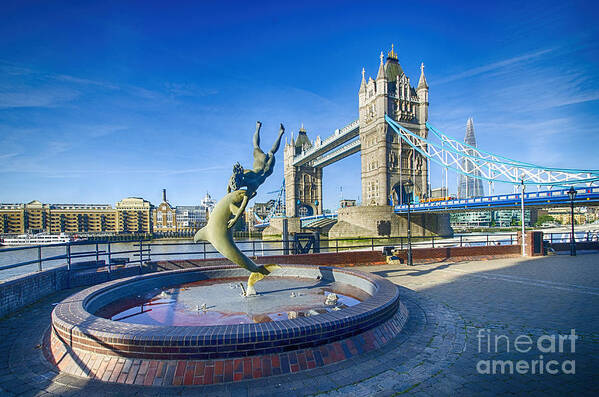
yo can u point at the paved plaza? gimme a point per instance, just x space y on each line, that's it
463 316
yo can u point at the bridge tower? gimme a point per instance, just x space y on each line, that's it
386 162
303 184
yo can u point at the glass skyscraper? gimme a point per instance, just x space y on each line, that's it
470 186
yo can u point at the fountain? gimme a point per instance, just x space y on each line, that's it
302 317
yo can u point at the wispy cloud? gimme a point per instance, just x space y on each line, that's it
543 88
8 156
36 97
493 66
78 80
97 130
28 87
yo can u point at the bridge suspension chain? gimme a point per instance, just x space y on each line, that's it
473 162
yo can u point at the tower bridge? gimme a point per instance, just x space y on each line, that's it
397 145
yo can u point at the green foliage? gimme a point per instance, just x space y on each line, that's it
545 219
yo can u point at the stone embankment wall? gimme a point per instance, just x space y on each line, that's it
353 258
22 291
19 292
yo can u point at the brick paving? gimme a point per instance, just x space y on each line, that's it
437 353
204 372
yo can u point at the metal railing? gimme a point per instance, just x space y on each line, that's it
564 237
71 256
143 251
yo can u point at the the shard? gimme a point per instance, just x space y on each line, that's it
470 186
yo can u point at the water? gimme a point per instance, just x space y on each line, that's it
160 250
277 297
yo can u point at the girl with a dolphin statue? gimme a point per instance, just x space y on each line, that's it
219 229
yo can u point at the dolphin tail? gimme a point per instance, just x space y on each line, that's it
200 235
257 276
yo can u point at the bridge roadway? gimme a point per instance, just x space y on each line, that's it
549 198
318 153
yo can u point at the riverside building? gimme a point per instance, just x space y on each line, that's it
82 218
131 215
181 220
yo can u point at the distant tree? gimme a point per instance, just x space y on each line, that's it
544 219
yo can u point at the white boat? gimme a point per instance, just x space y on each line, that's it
37 239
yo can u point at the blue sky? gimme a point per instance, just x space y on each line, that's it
104 100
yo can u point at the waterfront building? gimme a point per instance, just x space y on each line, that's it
35 217
134 215
468 186
191 217
563 215
183 219
498 218
164 216
471 219
131 215
208 202
82 218
12 218
506 218
32 217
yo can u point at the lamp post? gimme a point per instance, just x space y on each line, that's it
522 218
409 188
572 195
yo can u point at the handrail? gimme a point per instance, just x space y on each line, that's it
143 250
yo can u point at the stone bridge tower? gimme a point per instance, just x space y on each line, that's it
387 162
303 184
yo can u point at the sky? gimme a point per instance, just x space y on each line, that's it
105 100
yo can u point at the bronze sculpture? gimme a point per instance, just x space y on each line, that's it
226 213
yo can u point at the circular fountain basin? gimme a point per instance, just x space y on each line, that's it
221 302
235 338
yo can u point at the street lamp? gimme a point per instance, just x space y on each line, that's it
522 218
409 188
572 195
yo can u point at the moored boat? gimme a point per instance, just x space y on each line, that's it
37 239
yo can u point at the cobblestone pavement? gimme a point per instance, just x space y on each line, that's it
454 308
503 299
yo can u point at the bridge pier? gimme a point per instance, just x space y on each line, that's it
380 220
275 227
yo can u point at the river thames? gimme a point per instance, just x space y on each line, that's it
160 249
